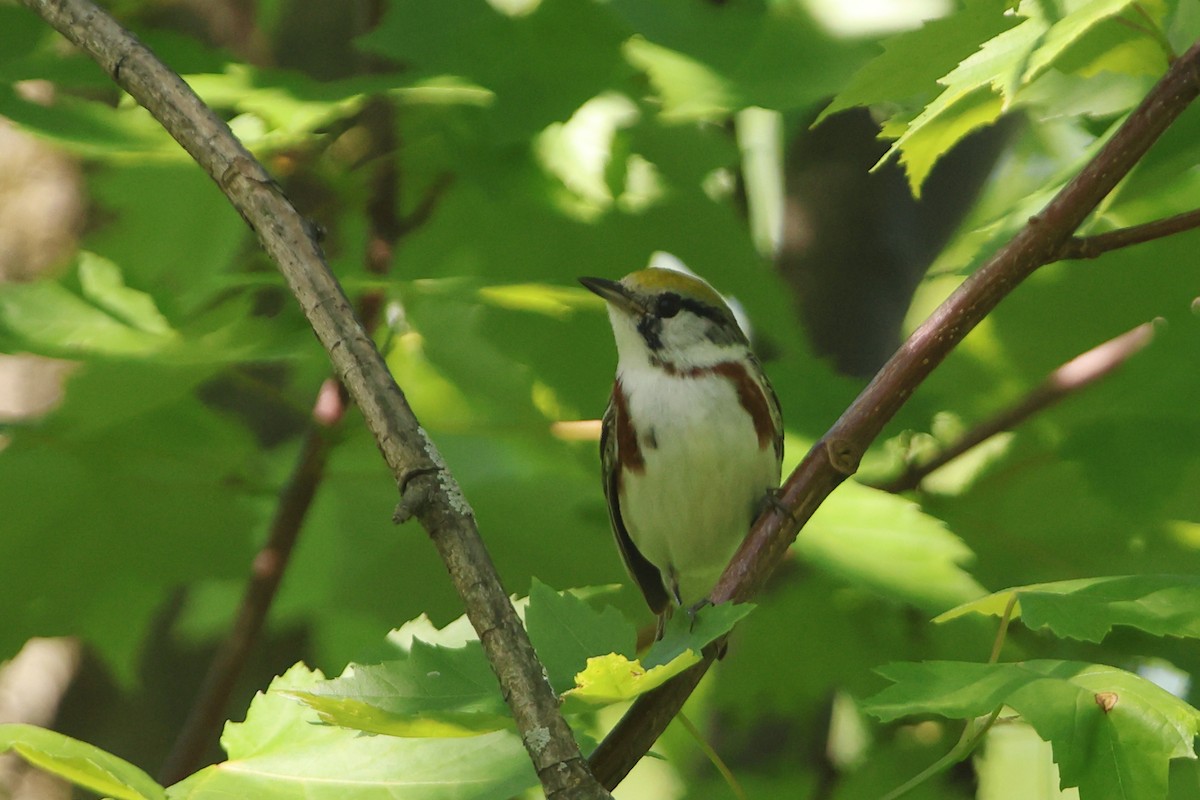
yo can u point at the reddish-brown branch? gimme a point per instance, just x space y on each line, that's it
1095 246
266 573
1073 376
836 456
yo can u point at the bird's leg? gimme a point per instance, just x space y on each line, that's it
772 499
694 609
721 645
663 618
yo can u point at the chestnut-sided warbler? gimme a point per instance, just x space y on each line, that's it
692 439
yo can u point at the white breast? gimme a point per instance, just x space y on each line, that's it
705 476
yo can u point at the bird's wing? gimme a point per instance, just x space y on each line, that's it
645 575
773 406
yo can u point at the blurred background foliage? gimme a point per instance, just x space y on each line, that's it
492 151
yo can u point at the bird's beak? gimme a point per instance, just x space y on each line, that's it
615 293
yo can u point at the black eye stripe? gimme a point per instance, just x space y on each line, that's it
704 310
722 328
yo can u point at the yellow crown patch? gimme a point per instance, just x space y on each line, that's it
656 279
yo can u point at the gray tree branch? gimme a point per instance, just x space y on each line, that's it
428 490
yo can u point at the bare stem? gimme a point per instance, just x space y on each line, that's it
735 786
1002 629
836 456
428 490
1094 246
972 735
1072 377
266 573
973 731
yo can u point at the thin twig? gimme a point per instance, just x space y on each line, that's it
735 786
428 491
836 456
208 710
1094 246
1002 628
972 734
1073 376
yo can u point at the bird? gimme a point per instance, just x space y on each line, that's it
691 444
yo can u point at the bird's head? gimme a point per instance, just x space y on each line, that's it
664 317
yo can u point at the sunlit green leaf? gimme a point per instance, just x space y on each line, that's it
886 544
691 630
103 284
613 678
91 129
992 77
566 632
46 317
1088 608
80 763
707 61
912 62
281 750
291 105
1113 733
431 691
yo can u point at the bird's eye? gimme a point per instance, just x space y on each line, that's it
668 305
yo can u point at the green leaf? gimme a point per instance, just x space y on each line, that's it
364 715
987 82
80 763
431 691
690 89
443 686
278 753
566 632
284 108
184 260
569 52
692 631
92 129
912 62
887 544
927 139
613 678
706 61
21 34
46 317
1065 32
1016 763
103 284
71 519
1113 733
1088 608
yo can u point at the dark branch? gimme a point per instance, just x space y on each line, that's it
619 752
1073 376
835 457
1094 246
433 496
266 573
